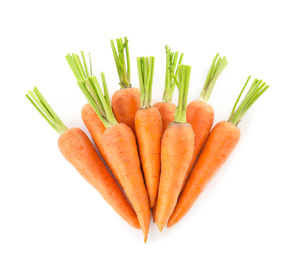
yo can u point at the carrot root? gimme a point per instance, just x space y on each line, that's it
176 153
148 126
78 150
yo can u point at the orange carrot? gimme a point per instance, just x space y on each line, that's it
176 152
219 145
119 142
148 125
200 114
166 108
126 101
79 152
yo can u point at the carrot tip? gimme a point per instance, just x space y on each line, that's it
160 228
145 239
170 224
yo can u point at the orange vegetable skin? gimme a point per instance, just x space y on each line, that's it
148 125
167 112
201 116
125 104
219 145
121 148
79 152
176 153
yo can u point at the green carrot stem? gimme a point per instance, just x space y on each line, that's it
44 108
182 82
146 72
217 66
122 61
89 85
258 87
171 70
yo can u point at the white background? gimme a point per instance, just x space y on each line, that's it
248 211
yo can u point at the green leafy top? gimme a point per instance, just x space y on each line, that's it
258 87
43 107
171 70
217 66
90 87
182 83
122 63
146 71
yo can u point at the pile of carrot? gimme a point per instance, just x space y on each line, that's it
160 157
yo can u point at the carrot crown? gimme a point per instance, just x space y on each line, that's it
258 87
146 71
89 85
171 70
182 82
43 107
122 64
217 66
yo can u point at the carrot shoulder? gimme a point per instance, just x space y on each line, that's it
118 142
219 145
78 151
176 152
200 114
126 101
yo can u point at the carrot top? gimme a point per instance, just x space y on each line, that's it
258 87
89 85
217 66
182 82
146 71
122 64
44 108
171 68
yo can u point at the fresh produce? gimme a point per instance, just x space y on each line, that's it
148 127
166 108
162 156
176 152
79 152
200 114
118 141
126 101
219 145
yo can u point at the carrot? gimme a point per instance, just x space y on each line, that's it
79 152
118 140
176 152
148 126
166 108
219 145
126 101
200 114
